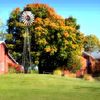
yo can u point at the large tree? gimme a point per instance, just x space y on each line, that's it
53 39
91 43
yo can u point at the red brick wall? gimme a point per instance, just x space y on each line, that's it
97 66
2 59
5 59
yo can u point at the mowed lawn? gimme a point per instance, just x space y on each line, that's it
46 87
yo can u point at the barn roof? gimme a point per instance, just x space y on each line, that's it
88 54
96 54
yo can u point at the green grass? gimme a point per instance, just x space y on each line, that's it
46 87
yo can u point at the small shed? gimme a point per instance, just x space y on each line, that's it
5 59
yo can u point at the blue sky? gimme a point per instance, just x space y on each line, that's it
87 12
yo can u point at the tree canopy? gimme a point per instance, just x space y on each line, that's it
91 43
53 38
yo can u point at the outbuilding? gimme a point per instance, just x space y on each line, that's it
6 60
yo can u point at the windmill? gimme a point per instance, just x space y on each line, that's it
27 18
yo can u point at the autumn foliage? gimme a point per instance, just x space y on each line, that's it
53 38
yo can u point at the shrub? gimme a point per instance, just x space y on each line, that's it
34 72
88 77
58 71
14 68
66 72
74 62
72 75
11 69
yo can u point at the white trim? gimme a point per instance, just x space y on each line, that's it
2 42
12 58
88 54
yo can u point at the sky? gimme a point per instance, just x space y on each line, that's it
87 12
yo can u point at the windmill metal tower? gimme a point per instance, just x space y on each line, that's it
27 18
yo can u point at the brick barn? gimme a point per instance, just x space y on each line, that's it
96 55
6 59
90 62
93 62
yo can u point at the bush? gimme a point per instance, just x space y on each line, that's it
34 72
58 71
74 62
14 68
11 69
88 77
72 75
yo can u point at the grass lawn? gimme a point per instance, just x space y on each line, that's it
46 87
